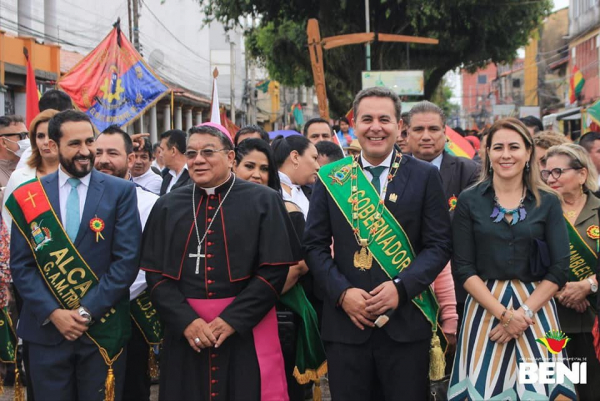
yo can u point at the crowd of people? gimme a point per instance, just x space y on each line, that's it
252 269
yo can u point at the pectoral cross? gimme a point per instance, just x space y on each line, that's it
197 256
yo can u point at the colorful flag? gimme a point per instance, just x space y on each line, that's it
576 84
350 117
263 85
298 116
113 84
228 124
457 145
215 115
31 93
590 118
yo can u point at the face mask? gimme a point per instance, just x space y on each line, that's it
23 145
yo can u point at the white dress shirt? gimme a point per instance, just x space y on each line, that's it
149 180
383 178
176 176
297 196
64 189
438 161
145 201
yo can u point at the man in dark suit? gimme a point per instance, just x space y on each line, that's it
175 174
366 362
65 364
427 140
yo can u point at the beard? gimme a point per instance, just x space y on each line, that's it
114 171
72 168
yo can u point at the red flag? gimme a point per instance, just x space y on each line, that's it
350 117
228 124
31 94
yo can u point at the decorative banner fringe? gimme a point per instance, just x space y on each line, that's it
1 386
437 363
310 374
596 335
152 363
19 390
109 386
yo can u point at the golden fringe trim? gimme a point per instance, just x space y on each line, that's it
19 390
310 374
152 363
437 362
1 385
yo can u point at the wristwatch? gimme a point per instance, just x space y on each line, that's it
528 311
85 314
593 285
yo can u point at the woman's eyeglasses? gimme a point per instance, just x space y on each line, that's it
556 172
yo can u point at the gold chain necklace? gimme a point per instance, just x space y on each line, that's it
363 260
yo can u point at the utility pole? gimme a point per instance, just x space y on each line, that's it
129 19
136 28
368 29
232 78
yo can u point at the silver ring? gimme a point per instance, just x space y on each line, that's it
196 340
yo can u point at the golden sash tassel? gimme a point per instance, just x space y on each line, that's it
109 386
317 391
19 390
152 364
437 362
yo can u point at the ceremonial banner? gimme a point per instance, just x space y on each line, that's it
32 107
113 84
575 84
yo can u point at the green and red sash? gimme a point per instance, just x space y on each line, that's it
64 270
583 259
390 247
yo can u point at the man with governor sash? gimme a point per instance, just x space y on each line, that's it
74 253
392 236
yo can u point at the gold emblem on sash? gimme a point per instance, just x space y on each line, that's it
363 260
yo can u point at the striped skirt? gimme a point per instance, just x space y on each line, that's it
485 370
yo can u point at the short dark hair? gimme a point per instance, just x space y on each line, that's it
283 146
67 116
378 91
330 150
587 140
8 120
344 119
116 130
251 144
175 138
426 106
212 131
249 129
314 121
155 146
55 99
147 148
533 122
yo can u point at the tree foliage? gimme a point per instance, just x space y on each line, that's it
471 34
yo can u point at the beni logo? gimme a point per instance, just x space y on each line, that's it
554 341
554 371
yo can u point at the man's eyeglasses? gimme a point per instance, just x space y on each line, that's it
205 153
22 135
556 172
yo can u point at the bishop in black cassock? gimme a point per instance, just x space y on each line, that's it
244 257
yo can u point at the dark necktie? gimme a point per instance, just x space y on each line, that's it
376 173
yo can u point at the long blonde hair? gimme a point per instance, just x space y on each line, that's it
531 179
35 160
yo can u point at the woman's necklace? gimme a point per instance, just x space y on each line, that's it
572 214
364 260
198 255
518 214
